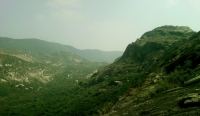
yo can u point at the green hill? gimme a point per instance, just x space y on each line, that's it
40 46
147 79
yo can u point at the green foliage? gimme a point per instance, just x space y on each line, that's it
163 86
178 78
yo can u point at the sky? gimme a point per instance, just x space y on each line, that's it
108 25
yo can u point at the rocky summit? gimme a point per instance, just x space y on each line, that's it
167 31
166 35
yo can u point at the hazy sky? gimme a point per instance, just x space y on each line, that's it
94 24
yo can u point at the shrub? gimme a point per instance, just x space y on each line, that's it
163 86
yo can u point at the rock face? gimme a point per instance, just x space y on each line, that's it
156 40
138 53
191 100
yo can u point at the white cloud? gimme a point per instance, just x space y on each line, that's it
68 15
64 3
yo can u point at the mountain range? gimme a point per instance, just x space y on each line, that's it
40 46
158 74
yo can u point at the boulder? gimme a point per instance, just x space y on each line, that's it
191 100
193 80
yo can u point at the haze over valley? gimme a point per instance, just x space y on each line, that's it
99 58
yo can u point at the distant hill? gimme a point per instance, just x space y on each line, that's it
40 46
23 66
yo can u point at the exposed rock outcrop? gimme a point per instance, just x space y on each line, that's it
191 100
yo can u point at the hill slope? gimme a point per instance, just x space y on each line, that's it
23 66
152 77
30 82
171 80
40 46
147 79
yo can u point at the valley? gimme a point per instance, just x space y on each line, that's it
158 74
